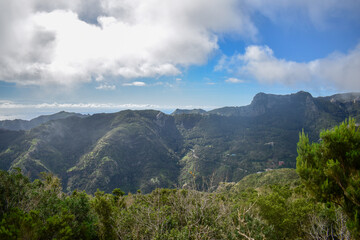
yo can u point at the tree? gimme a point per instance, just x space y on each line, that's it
286 211
105 210
13 189
330 169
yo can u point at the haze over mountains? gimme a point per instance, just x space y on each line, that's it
19 124
148 149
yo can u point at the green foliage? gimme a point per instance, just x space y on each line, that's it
286 212
40 210
78 204
104 208
174 214
17 224
284 176
13 189
330 169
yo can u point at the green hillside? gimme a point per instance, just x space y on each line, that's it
149 149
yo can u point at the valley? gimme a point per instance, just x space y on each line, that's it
147 149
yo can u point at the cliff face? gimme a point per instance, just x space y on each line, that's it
263 103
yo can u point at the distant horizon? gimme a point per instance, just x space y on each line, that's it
21 112
172 54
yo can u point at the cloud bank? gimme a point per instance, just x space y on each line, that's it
13 110
74 41
67 42
338 70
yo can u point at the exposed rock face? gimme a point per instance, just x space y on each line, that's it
263 103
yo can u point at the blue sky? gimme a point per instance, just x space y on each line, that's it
106 55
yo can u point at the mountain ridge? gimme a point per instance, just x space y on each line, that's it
19 124
146 149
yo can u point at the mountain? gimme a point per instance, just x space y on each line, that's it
187 111
135 148
19 124
149 149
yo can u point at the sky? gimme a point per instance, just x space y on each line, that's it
93 56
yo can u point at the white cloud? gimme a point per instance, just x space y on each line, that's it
12 105
99 78
136 84
5 101
343 70
74 41
234 80
106 87
259 62
11 110
57 42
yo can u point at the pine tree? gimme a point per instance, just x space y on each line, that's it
330 169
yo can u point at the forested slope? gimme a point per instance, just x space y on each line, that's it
148 149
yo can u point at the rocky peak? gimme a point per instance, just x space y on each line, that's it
272 100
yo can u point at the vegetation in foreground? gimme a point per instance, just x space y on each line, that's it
40 210
321 204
